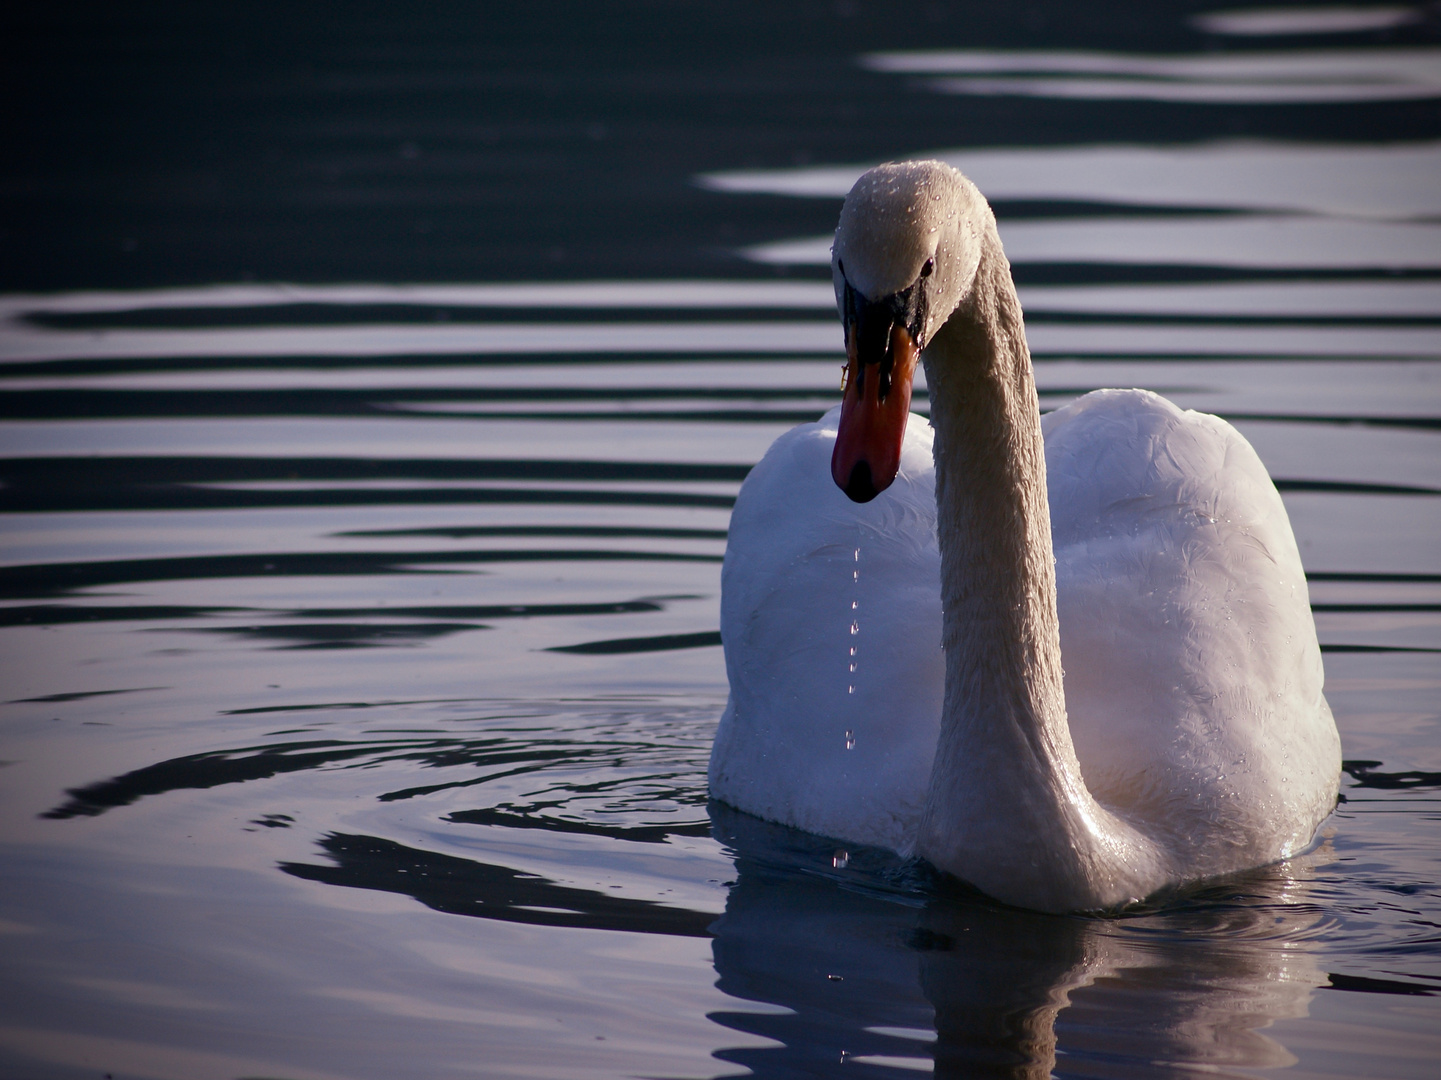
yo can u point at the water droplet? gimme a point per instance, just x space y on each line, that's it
850 739
855 628
853 650
858 554
839 861
855 604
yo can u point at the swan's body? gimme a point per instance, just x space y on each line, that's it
1189 736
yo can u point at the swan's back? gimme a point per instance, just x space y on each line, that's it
798 556
1192 672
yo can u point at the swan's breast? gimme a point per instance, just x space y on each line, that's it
830 616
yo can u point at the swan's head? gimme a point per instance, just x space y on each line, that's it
905 256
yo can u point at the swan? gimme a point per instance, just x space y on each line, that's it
898 600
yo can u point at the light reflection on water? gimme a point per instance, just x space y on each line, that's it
1252 241
1368 181
1332 76
361 669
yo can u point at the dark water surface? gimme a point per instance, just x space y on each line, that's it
358 634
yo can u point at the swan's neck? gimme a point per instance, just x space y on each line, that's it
1007 809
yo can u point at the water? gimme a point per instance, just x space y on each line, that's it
360 661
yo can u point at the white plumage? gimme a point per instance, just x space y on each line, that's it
799 555
1193 738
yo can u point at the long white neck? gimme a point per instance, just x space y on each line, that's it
1007 809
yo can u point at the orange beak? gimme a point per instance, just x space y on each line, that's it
874 408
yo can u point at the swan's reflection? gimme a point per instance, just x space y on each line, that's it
885 976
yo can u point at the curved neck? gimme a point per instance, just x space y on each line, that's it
998 578
1007 809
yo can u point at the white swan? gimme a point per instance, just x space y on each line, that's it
1190 737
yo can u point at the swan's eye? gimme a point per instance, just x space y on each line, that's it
925 270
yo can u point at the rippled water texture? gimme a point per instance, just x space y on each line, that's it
359 635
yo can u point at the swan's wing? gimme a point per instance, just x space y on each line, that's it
1193 676
799 556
